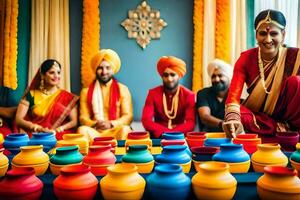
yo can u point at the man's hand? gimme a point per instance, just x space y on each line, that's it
232 128
103 125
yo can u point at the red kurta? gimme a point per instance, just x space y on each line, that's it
246 70
156 122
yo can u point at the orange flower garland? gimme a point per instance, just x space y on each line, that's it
198 45
90 39
10 45
222 34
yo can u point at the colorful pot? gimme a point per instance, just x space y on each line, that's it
32 156
268 154
14 141
165 142
216 142
296 155
75 182
105 141
288 140
78 139
175 154
141 157
21 184
130 184
215 135
235 156
168 182
64 156
214 181
48 140
278 183
99 158
3 163
138 138
173 136
202 154
195 134
195 141
249 142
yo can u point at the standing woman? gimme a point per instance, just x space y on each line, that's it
44 106
271 73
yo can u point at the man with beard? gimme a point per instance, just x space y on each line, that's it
169 107
211 101
105 106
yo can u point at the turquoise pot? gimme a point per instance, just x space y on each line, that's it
48 140
175 154
168 182
66 155
296 156
231 153
173 136
14 141
137 154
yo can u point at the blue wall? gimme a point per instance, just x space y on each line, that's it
138 70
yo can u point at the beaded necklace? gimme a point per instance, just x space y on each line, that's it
174 107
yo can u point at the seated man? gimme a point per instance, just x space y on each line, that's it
169 107
210 102
7 124
105 106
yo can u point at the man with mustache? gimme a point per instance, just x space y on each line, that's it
105 106
169 107
211 100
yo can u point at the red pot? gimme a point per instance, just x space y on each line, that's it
195 141
99 158
288 140
138 135
165 142
195 134
75 182
105 141
21 184
249 142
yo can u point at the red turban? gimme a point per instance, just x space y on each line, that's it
172 63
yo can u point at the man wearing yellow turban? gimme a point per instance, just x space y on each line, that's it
169 107
105 106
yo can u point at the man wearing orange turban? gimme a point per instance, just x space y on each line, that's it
171 106
105 106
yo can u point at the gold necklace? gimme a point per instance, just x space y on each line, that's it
261 72
174 107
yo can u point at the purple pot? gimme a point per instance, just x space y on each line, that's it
288 140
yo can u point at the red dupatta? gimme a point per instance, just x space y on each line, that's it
113 99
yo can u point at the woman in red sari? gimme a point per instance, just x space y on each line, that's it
271 73
44 106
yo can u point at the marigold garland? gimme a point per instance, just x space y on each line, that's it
90 38
198 45
222 34
10 45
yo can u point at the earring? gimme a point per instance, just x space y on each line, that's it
42 86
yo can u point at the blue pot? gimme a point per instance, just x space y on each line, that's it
137 154
14 141
66 155
231 153
168 182
216 142
173 136
48 140
174 154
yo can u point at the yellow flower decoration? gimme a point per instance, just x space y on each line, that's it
90 39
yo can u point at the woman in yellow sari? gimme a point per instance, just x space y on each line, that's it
44 106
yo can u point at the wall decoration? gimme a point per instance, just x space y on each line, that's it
143 24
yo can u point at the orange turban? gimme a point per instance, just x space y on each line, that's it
173 63
109 56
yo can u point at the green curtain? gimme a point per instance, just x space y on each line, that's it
250 22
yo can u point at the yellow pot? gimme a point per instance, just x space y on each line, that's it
197 164
1 138
55 169
3 169
186 167
215 135
39 169
279 183
239 167
3 163
268 154
296 166
77 139
130 184
147 142
214 181
144 167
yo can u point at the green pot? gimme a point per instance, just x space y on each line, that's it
66 155
137 154
296 156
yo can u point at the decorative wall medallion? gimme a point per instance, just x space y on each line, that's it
144 24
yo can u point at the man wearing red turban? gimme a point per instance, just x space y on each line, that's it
169 107
105 106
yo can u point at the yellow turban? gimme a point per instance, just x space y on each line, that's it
109 56
173 63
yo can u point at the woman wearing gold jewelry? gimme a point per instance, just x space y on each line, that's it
44 106
271 73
